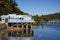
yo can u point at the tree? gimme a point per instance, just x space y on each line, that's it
9 7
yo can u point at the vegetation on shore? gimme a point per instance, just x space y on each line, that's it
45 18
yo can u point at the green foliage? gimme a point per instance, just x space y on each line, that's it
45 18
9 7
39 18
6 7
36 18
55 16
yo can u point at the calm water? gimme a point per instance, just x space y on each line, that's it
46 32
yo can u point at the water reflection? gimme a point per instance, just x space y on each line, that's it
20 38
43 32
47 32
20 35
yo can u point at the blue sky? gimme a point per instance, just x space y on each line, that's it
39 7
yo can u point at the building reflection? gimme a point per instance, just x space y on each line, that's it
20 29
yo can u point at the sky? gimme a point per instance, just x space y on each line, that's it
34 7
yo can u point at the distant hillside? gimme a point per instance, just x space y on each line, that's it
55 16
44 18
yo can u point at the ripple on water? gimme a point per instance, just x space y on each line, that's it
20 38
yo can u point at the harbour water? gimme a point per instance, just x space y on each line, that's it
47 32
43 32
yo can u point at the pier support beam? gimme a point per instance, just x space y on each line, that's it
22 29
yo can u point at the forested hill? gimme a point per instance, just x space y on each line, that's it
44 18
9 7
54 16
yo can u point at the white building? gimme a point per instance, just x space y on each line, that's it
13 18
54 22
18 25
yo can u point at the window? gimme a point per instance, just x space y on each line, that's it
2 19
21 18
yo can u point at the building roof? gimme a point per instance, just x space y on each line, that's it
13 18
